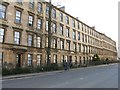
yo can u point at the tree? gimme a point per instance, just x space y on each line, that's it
96 57
49 35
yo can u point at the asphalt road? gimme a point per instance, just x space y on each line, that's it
91 77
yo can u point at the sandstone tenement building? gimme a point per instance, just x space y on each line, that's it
24 31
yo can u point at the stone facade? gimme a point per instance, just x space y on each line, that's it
81 47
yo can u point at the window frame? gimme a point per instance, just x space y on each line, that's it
75 46
3 35
46 25
61 17
31 4
40 58
16 38
18 17
1 59
54 58
30 61
39 23
67 32
3 11
55 43
54 27
39 7
61 44
29 40
74 34
67 20
30 20
78 35
54 13
68 45
61 29
40 41
47 10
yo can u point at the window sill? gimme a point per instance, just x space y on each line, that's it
18 23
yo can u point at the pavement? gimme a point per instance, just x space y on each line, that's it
44 73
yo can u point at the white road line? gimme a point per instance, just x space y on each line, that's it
81 78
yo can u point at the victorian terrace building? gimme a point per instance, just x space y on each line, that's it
24 36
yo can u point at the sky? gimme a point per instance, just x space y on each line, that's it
103 14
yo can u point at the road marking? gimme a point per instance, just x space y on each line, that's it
81 78
15 79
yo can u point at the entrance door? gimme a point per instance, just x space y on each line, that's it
18 60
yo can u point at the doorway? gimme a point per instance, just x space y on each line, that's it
18 60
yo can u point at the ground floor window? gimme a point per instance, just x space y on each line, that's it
84 60
29 59
39 57
75 59
80 62
1 59
62 58
55 58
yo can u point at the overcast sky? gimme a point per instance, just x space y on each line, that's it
103 14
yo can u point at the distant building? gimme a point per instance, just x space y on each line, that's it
24 31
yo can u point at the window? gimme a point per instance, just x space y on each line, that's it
31 4
61 44
67 32
46 41
67 19
29 59
47 10
18 17
86 38
30 40
54 43
73 23
82 37
80 61
75 59
30 20
39 59
83 47
74 34
61 29
1 59
55 58
38 42
2 11
78 35
47 25
68 45
16 37
78 25
79 46
61 17
74 47
39 7
39 24
66 58
62 58
54 13
82 27
54 27
2 32
19 1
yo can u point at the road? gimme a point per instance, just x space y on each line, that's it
91 77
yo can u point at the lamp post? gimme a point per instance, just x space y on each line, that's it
49 35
